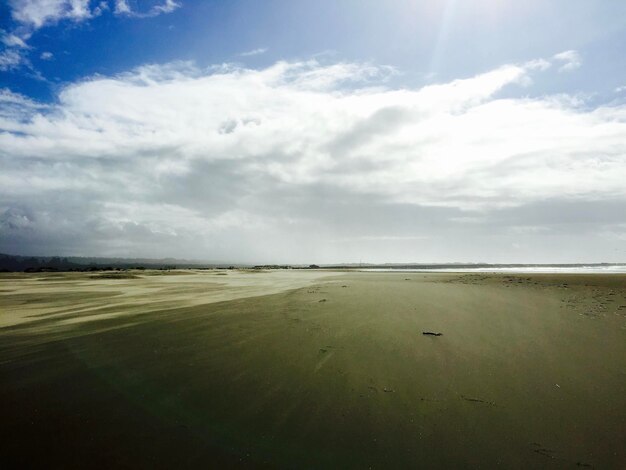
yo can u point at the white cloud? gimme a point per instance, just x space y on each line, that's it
123 8
37 13
14 54
101 8
167 7
10 59
30 15
46 56
210 152
261 50
34 14
571 60
16 109
12 40
381 238
23 103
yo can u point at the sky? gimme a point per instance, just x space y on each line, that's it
314 132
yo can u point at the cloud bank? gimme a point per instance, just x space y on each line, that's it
288 162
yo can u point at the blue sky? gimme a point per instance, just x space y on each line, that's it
427 40
409 130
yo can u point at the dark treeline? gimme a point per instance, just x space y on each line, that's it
13 263
10 263
16 263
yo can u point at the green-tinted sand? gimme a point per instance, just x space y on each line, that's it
328 370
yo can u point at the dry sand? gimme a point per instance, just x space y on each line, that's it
325 370
79 297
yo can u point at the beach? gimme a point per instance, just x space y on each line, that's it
313 369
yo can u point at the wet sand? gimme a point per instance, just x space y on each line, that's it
327 369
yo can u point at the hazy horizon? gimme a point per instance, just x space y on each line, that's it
293 133
362 263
